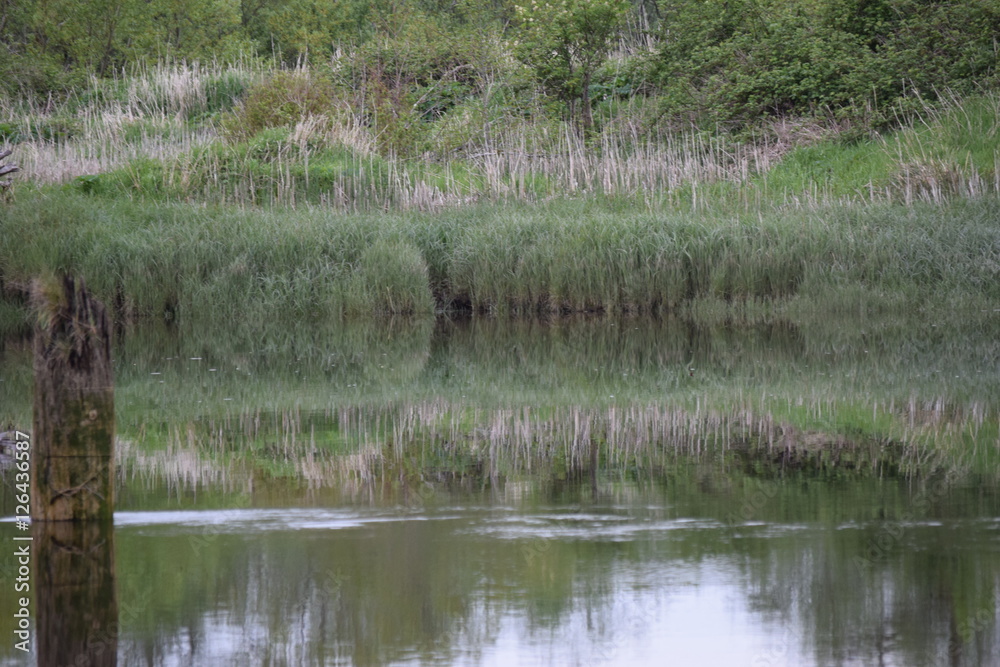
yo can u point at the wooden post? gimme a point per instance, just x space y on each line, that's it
74 417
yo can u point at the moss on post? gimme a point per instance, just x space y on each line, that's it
74 413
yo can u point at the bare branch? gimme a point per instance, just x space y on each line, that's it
7 168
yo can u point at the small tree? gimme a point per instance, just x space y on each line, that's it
565 41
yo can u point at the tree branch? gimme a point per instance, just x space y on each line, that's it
7 168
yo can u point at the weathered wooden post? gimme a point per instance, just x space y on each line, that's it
74 415
72 480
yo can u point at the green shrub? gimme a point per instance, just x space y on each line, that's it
281 101
731 62
10 133
414 73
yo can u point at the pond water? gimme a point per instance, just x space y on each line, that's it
846 574
595 491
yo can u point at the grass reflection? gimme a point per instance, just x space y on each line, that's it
411 405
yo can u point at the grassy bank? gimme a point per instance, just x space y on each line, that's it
183 262
249 137
187 192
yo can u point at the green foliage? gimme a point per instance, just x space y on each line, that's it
309 30
45 128
88 183
565 41
937 46
269 169
94 34
189 261
416 70
36 78
391 278
732 62
406 65
836 169
55 45
223 91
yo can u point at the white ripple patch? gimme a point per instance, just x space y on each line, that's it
584 526
259 520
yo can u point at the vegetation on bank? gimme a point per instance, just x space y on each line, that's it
190 263
422 104
412 62
543 157
721 160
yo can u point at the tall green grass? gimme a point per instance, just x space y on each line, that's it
173 261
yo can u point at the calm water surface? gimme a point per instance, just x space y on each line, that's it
826 573
290 501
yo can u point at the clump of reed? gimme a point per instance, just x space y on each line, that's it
170 262
161 112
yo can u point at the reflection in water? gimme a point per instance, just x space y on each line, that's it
585 491
629 577
75 602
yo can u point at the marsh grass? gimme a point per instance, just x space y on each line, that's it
183 262
161 112
951 151
167 221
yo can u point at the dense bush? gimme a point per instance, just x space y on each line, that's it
436 78
283 100
417 69
732 62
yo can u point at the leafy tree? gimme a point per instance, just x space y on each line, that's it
193 29
565 41
94 34
304 29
